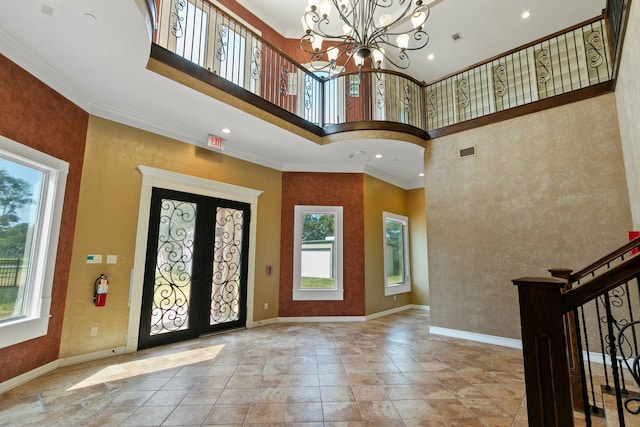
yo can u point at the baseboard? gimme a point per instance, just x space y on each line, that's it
263 322
345 318
322 319
28 376
89 357
392 311
472 336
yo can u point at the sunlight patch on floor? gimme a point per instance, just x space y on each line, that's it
125 370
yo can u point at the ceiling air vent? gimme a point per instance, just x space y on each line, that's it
466 152
456 37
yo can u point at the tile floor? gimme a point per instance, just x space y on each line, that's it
385 372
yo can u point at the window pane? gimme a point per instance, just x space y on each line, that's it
318 251
232 55
191 33
20 192
395 252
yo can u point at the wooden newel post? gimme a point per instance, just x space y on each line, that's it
577 382
544 347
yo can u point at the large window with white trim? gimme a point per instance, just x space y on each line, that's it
396 254
32 188
317 243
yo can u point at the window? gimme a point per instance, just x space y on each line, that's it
317 245
191 33
396 254
31 196
231 55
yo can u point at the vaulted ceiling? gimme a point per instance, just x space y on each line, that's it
94 52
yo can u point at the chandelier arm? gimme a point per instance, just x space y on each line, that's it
402 16
318 27
421 36
309 39
388 30
317 64
397 62
344 17
369 24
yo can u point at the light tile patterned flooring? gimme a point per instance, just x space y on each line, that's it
384 372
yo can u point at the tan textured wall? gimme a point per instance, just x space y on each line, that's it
380 196
628 103
544 190
418 239
107 221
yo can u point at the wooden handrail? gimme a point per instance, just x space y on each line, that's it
616 276
585 271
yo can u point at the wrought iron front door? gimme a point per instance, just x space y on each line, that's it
196 271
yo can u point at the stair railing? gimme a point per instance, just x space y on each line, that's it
585 321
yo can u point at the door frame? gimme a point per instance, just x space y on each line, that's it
152 177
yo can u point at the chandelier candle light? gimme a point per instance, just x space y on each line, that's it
378 30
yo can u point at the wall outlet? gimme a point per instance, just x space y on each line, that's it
94 331
266 306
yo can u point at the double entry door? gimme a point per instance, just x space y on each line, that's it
195 279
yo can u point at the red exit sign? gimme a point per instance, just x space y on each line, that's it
215 142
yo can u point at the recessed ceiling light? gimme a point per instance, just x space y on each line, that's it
525 14
378 156
430 57
421 174
226 130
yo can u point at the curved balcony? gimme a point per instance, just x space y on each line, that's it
197 38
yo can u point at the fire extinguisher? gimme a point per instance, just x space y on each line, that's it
100 289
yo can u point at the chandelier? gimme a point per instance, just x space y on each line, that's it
374 30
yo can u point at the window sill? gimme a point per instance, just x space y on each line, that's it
318 295
22 330
400 288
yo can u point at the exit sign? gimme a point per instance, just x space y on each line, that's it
215 142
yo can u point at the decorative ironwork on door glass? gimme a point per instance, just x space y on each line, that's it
172 286
227 260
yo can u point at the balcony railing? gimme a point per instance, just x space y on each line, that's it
208 37
573 60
